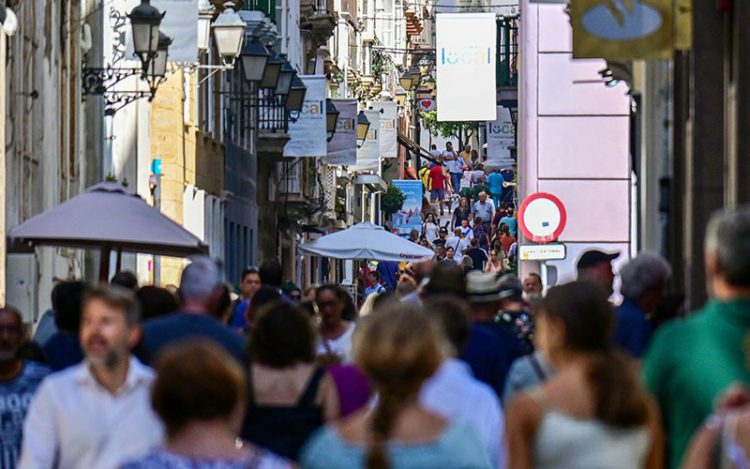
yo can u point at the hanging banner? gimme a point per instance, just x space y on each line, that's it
342 149
388 115
308 134
408 218
180 23
368 155
465 57
500 136
642 30
468 6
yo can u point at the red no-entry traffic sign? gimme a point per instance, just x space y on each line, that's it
542 217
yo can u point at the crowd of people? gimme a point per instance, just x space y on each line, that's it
440 367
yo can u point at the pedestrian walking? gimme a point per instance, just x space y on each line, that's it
484 210
509 219
375 285
497 262
478 255
526 373
691 363
289 394
455 164
643 279
593 412
481 233
398 349
452 391
495 180
249 284
491 348
98 413
201 289
458 244
595 266
532 287
19 380
334 332
461 213
430 228
199 393
63 349
155 302
513 313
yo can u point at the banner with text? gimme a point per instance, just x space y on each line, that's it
500 136
308 135
465 57
368 155
342 149
388 116
408 218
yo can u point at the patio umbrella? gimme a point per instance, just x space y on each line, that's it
367 241
106 216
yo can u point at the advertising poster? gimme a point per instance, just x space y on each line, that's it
408 218
308 135
342 149
388 131
368 155
500 135
465 57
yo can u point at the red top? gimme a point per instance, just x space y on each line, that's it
506 241
438 178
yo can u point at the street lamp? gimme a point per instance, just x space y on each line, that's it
286 76
271 73
332 118
157 67
424 66
205 16
400 96
296 97
145 21
405 80
363 126
254 60
229 31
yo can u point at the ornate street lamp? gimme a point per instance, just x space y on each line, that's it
400 96
286 76
405 80
424 66
229 32
157 68
363 126
296 97
205 16
254 60
332 118
271 73
145 21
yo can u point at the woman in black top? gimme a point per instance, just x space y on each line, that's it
290 395
462 212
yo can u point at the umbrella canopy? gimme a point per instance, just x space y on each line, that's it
367 241
107 216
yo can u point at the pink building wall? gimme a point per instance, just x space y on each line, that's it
573 137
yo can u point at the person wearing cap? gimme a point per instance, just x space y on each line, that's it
442 238
595 266
513 314
491 348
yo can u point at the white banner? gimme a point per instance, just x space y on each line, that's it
180 23
388 116
467 6
368 155
342 149
308 135
500 136
465 59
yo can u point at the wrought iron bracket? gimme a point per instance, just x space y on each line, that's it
100 81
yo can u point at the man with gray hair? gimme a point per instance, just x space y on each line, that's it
201 287
691 363
643 281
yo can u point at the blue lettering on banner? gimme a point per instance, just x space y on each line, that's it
471 55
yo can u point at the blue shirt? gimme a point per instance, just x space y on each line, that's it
512 223
63 350
388 271
491 350
495 181
162 331
15 397
459 447
238 320
632 331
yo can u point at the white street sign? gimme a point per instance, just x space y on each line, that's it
542 252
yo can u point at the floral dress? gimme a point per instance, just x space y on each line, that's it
521 324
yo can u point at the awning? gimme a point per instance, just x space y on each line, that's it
414 147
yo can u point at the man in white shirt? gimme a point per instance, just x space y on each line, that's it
458 243
455 166
97 414
453 392
466 230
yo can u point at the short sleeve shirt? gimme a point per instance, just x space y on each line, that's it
15 397
437 177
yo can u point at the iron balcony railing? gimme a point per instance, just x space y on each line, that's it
266 6
507 52
272 113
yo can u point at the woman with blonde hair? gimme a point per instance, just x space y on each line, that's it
398 349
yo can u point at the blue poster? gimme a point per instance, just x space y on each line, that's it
408 217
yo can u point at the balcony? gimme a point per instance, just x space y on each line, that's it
266 6
273 126
507 53
317 17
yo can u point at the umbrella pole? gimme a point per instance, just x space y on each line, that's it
104 263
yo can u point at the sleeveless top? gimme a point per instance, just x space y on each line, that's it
284 429
732 454
565 442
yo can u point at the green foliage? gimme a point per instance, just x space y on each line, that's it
393 200
448 129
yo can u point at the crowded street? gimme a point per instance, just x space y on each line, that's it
377 234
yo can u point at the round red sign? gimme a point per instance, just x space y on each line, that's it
542 217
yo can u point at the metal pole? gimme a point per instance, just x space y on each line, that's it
157 206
